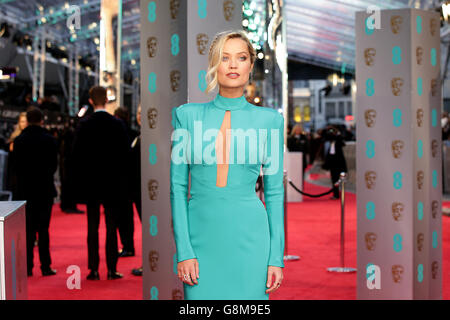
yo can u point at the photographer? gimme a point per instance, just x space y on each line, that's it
334 156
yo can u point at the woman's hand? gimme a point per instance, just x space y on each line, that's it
276 272
188 271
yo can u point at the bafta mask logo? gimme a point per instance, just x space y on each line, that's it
396 22
434 87
152 115
420 177
153 189
228 10
434 208
174 8
396 84
419 117
397 273
397 210
434 270
175 77
370 178
370 117
419 55
397 148
153 257
369 56
434 148
420 239
371 239
202 43
152 44
433 26
176 294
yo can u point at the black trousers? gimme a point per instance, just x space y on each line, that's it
112 211
126 225
335 175
38 213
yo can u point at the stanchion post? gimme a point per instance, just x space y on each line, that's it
287 256
342 268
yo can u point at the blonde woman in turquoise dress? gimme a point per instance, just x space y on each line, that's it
229 246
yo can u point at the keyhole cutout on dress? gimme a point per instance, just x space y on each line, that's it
223 150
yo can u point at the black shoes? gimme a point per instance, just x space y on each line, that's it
126 253
93 275
137 272
48 272
113 275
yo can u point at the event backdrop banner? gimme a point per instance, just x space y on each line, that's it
175 39
399 154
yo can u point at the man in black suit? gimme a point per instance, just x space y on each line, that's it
35 154
100 151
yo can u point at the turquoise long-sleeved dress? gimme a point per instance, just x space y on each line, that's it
227 229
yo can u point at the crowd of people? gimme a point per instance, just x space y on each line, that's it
99 165
324 145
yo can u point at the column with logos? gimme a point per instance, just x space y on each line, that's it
399 185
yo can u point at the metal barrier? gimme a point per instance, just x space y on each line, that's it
3 168
5 195
342 268
287 257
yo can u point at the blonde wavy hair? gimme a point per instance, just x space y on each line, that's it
17 131
216 52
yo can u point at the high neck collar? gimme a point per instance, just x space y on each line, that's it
224 103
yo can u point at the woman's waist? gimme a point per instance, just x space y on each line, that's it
234 192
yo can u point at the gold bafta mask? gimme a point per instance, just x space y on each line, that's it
370 177
419 117
228 10
433 26
397 210
397 148
370 117
153 257
371 239
369 56
420 239
174 7
176 294
396 22
434 270
420 176
434 148
202 43
152 115
396 84
434 208
397 273
175 77
152 44
152 189
434 87
419 55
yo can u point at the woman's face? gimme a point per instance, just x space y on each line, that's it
235 67
138 116
23 123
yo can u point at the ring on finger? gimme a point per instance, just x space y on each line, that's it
186 277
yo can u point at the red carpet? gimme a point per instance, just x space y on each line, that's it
313 234
68 246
